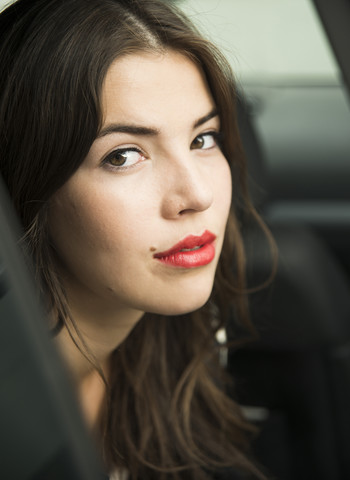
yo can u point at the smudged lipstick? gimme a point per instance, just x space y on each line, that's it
192 251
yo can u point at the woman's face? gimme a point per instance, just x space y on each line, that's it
154 177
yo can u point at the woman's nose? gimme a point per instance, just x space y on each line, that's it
187 188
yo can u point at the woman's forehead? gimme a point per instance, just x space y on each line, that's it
152 86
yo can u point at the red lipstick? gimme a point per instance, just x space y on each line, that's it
192 251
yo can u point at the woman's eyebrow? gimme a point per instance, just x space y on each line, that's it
148 131
122 128
213 113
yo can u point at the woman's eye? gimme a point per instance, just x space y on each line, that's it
205 141
123 157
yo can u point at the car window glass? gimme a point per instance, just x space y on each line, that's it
268 41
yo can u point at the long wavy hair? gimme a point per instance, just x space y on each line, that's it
166 413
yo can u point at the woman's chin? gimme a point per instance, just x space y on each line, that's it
186 303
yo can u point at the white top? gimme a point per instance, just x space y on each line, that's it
119 475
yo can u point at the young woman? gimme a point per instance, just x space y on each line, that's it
118 138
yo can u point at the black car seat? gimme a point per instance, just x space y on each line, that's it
294 381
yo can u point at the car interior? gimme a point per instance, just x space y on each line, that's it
297 374
42 434
293 380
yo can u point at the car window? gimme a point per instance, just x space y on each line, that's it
268 41
5 3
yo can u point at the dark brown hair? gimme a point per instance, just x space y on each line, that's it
167 415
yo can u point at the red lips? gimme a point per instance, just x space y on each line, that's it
192 251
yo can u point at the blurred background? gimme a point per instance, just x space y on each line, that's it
267 41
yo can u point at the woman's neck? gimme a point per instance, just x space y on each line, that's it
87 355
